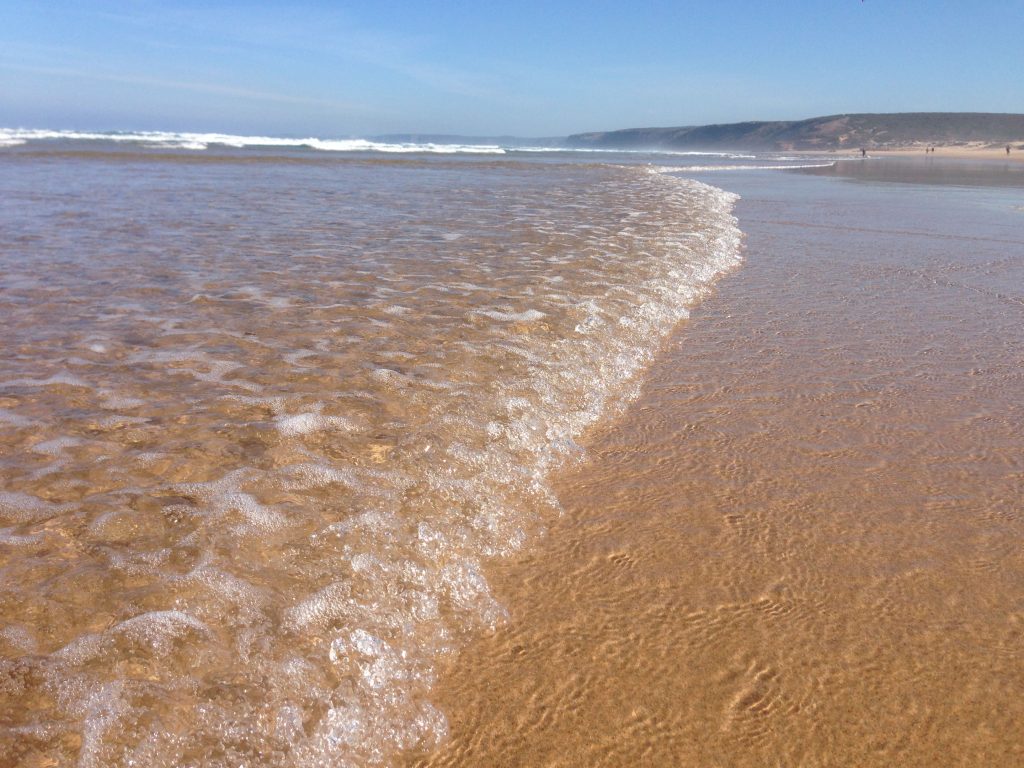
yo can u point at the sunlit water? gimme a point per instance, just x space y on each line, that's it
803 544
263 418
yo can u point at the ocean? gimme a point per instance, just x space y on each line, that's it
803 543
273 410
268 407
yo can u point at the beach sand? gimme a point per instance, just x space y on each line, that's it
803 544
958 151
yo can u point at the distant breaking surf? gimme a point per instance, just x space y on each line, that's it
702 168
200 141
14 137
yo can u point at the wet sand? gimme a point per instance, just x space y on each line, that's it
919 171
803 544
962 152
976 151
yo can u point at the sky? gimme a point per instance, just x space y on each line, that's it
339 69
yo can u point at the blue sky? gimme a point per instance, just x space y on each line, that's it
335 69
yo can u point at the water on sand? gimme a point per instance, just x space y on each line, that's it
280 432
264 417
804 544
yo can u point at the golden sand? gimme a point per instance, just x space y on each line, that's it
803 545
262 420
976 151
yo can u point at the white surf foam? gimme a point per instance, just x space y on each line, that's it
201 141
526 316
330 528
610 151
700 168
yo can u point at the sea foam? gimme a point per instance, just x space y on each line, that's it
334 417
10 137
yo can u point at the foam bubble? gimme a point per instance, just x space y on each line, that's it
224 497
330 603
526 316
12 538
19 637
118 402
311 475
18 507
56 446
158 630
307 423
57 379
15 419
294 541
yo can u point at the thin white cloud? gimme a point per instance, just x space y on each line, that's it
307 31
212 88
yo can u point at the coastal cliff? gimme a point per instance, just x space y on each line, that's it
878 131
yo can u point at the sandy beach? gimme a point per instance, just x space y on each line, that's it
266 415
802 544
592 385
948 152
555 462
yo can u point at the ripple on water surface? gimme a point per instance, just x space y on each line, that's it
263 426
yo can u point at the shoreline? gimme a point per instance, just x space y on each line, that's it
801 544
948 152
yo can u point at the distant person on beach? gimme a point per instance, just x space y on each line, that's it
1007 149
863 153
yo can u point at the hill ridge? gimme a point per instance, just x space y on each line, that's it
872 130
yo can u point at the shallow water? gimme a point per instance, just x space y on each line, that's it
803 545
263 419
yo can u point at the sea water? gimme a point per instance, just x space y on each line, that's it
266 413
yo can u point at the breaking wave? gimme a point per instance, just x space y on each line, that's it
201 141
763 167
265 428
